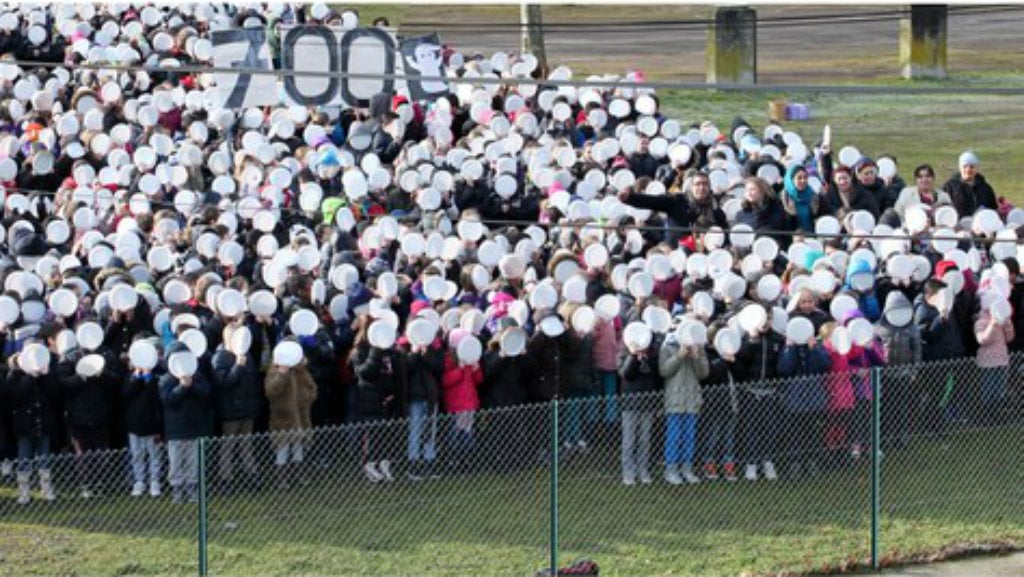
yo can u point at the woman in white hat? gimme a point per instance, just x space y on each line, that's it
968 189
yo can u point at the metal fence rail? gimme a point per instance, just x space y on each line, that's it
927 457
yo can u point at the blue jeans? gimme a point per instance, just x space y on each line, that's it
33 449
681 437
720 437
609 382
418 427
993 384
580 408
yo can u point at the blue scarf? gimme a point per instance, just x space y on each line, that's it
801 199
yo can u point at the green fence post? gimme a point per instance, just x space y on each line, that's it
202 509
553 545
876 465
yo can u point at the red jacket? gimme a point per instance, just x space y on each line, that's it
460 383
838 381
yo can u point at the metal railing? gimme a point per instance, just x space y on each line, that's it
926 458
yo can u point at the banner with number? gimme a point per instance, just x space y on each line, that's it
322 49
247 49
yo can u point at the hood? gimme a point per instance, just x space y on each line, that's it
857 266
896 300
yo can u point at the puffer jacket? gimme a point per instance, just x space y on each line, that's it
640 375
941 337
581 367
376 375
803 367
993 351
607 339
143 414
548 357
236 388
291 394
504 380
421 375
900 345
682 377
968 198
34 401
460 386
838 382
188 411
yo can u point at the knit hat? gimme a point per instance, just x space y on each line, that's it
943 267
968 158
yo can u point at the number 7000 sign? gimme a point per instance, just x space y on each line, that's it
305 49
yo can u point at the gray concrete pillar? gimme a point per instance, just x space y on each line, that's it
923 36
731 54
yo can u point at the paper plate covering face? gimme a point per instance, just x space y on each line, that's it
142 354
799 330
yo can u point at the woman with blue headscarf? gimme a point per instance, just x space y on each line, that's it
799 199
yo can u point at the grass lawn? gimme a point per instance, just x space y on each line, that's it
964 489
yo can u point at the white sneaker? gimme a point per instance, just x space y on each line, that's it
672 476
138 489
6 468
769 471
385 470
374 475
154 489
629 479
645 478
690 478
582 446
750 472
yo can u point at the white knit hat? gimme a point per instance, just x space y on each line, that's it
968 158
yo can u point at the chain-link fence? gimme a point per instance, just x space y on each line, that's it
801 474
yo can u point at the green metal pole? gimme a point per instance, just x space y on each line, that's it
554 487
203 561
876 464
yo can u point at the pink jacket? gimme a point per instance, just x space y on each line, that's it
459 384
992 350
838 382
606 345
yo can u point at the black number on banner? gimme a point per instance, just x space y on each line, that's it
255 38
388 43
288 63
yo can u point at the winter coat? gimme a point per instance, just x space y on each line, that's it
682 377
757 360
680 209
460 386
968 198
607 340
143 413
376 375
857 199
187 410
421 375
838 381
993 351
901 345
910 196
940 337
581 366
802 367
34 401
236 388
548 358
291 394
769 216
639 375
88 402
504 382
